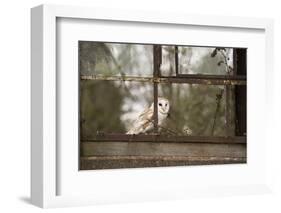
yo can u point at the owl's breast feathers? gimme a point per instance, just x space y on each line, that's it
161 117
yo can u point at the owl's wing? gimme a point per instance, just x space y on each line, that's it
146 114
143 123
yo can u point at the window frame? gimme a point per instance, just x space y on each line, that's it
237 79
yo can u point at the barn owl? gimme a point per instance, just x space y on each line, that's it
144 122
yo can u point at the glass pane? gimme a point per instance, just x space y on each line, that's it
168 61
203 60
114 59
197 60
198 110
111 106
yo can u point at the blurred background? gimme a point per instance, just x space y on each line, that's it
112 106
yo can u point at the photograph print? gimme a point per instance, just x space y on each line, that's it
158 105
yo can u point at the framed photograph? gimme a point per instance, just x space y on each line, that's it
198 92
149 106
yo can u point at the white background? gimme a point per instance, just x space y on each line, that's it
15 106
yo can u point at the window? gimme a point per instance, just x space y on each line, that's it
198 92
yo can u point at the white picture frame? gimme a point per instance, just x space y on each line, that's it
45 168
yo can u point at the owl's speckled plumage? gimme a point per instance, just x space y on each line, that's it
144 122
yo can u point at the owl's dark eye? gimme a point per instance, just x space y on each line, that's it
160 104
165 104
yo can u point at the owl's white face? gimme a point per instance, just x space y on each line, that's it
163 106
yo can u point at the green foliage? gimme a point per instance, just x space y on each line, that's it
95 57
100 108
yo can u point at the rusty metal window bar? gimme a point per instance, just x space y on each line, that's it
235 83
